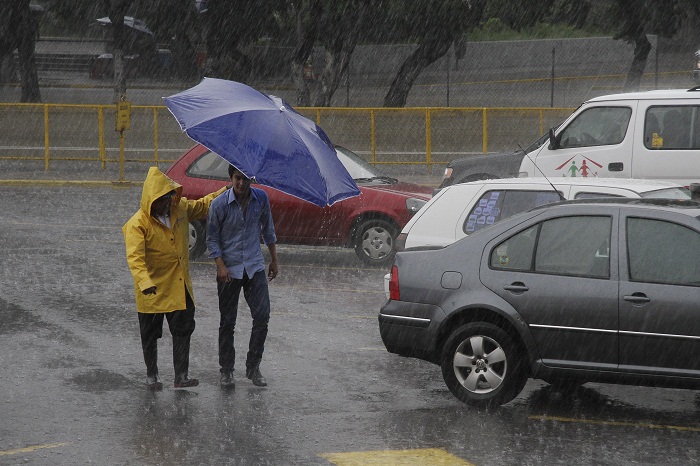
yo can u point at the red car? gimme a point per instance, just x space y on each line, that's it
369 223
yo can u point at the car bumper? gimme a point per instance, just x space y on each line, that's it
411 329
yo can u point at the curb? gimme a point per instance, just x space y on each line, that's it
116 184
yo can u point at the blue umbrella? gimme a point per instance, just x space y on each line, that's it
264 138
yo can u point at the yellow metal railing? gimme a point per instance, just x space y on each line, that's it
417 135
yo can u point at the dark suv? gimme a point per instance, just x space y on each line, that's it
599 290
487 166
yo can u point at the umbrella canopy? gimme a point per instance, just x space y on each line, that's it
264 138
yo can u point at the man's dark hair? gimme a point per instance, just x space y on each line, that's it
232 169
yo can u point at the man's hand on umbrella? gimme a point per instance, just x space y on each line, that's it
273 270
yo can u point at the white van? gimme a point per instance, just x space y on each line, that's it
654 134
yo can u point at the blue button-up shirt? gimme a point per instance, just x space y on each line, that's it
237 239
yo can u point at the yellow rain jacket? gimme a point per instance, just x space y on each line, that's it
157 255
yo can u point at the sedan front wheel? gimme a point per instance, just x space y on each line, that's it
374 242
481 365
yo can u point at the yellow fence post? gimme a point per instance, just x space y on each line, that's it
101 136
372 136
46 137
428 141
484 132
155 134
541 121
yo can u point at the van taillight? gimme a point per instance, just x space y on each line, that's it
394 284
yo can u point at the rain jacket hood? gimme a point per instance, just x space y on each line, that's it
157 184
158 254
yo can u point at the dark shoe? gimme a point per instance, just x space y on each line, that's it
153 383
227 380
185 382
253 373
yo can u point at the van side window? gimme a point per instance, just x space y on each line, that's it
672 127
597 126
497 205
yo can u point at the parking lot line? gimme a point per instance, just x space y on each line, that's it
31 448
613 423
417 457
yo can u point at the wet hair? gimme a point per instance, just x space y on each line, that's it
232 169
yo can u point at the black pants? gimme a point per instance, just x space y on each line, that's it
181 325
257 296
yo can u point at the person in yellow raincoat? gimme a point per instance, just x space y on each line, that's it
157 241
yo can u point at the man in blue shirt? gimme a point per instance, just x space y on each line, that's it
237 220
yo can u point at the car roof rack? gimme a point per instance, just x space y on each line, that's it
684 203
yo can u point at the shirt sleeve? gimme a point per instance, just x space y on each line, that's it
214 230
197 210
267 226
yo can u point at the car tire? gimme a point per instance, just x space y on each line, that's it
197 240
471 376
375 242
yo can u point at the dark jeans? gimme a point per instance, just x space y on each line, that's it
257 296
181 324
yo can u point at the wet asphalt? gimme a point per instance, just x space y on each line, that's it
71 390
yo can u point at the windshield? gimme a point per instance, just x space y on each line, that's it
667 193
356 165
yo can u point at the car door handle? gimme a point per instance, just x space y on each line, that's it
637 298
516 287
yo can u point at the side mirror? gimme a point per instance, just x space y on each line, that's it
553 144
695 191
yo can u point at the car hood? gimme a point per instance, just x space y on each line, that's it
408 189
490 157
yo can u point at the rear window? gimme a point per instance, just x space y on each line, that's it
497 205
672 127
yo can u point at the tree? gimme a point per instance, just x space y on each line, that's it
437 24
519 15
18 29
230 26
304 16
344 24
638 18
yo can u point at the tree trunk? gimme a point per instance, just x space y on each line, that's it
306 34
117 10
27 62
337 62
642 47
339 50
424 55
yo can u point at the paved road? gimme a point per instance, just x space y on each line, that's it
72 369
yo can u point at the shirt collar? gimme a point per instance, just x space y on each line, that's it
232 196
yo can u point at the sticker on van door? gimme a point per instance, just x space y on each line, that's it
573 170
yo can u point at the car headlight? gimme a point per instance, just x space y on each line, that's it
413 205
448 173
